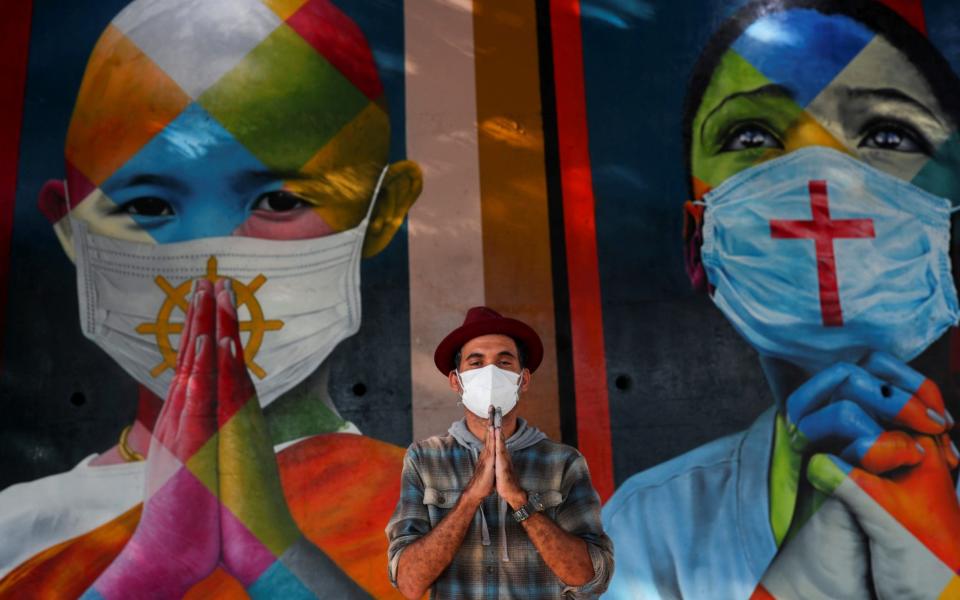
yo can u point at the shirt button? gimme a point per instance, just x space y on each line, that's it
442 499
489 570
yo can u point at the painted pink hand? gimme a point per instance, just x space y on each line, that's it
177 541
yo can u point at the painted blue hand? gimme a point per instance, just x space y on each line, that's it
865 413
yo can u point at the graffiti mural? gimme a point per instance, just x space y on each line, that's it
820 140
233 233
226 170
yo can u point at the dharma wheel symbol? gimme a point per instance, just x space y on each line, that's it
164 326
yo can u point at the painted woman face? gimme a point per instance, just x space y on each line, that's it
801 78
227 117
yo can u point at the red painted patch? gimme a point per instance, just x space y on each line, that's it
911 11
14 44
340 41
78 186
823 230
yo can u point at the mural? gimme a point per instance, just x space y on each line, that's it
226 169
820 138
270 212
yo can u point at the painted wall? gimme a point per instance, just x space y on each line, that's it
549 136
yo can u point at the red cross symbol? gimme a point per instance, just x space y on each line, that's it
823 230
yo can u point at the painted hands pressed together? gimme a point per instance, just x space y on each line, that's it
882 455
214 496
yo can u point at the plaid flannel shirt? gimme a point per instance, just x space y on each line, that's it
436 471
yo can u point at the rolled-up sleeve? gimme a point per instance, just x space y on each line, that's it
410 520
579 515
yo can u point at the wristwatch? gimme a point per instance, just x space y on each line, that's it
533 505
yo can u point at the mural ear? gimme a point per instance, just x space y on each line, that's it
53 203
401 187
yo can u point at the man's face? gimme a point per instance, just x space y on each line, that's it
202 119
800 78
493 349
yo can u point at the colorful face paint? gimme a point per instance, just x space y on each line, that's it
801 78
199 119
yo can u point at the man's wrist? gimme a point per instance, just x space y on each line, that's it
471 496
516 499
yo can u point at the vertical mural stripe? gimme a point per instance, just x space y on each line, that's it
561 301
445 239
516 227
14 45
586 316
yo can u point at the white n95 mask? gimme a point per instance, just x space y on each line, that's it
489 385
296 300
817 257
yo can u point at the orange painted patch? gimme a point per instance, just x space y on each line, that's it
125 99
700 188
761 593
341 488
67 569
922 499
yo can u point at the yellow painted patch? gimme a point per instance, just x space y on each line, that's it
203 465
952 591
284 8
342 175
807 131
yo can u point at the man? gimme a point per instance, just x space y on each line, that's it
227 167
539 535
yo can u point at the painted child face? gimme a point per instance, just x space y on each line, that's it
800 78
202 118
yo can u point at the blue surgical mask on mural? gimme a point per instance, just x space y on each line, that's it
816 257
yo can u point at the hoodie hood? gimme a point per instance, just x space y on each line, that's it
525 436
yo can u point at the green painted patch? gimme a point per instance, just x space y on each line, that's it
284 101
729 101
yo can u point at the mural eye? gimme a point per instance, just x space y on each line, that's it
279 201
147 206
750 136
893 137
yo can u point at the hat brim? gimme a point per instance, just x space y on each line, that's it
448 348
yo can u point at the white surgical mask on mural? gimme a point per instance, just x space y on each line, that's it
488 386
296 299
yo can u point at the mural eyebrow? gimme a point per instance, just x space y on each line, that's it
166 181
771 89
242 180
894 95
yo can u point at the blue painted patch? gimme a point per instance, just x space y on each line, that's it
278 582
802 49
204 174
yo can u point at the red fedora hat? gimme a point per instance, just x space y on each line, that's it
481 320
